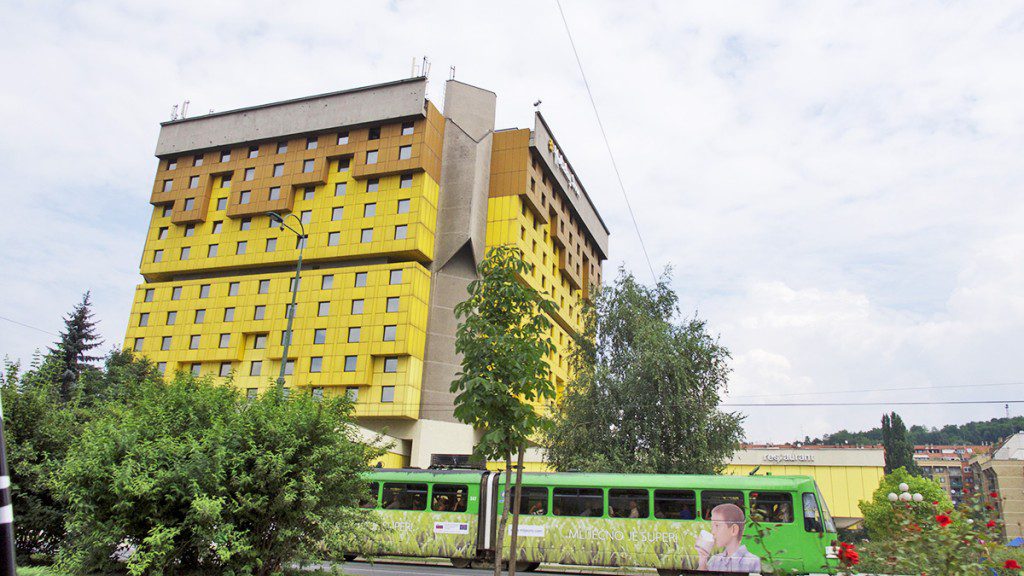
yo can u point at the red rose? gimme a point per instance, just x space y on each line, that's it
943 520
1011 564
848 554
994 494
991 523
935 502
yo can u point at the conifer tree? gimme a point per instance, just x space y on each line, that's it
77 339
899 452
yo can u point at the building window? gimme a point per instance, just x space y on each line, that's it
260 342
390 333
260 312
233 288
391 364
193 182
204 291
404 152
357 306
245 224
316 364
264 287
307 166
407 128
282 147
196 369
371 157
327 282
250 174
352 393
229 314
307 193
241 247
319 336
161 367
318 393
337 212
190 204
360 279
211 251
193 342
306 216
278 170
350 363
254 151
149 295
225 369
165 343
342 138
243 198
311 143
289 368
172 317
190 230
392 304
185 252
218 226
255 367
366 235
369 210
158 256
300 243
176 293
373 134
339 188
162 233
225 156
353 334
172 164
287 313
403 206
405 181
323 309
275 193
225 181
344 164
395 277
373 184
387 394
168 184
271 244
138 344
401 232
333 238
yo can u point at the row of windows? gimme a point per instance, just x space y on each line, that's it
260 340
282 147
356 308
263 287
414 496
387 393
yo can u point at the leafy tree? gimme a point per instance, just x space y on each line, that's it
645 391
77 339
983 432
899 452
192 477
879 516
503 338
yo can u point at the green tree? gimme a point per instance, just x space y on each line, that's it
195 478
77 340
645 391
503 338
879 517
899 452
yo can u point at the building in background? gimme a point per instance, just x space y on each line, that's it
950 466
400 202
1002 472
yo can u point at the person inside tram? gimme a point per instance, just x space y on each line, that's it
634 510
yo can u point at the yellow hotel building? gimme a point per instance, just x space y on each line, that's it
399 202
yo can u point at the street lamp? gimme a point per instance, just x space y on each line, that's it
301 234
7 566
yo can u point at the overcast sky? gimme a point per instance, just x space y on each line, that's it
838 186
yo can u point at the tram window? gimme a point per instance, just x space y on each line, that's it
449 498
533 501
628 503
405 496
771 506
578 502
374 495
675 504
709 499
812 518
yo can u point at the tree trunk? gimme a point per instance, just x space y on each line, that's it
514 551
503 523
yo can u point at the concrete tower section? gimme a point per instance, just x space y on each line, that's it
400 203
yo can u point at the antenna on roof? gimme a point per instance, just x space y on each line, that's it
425 69
412 73
451 75
184 109
174 112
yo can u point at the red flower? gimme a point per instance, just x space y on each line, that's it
1011 564
935 502
991 523
994 494
848 554
943 520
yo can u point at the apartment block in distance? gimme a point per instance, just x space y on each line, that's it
400 202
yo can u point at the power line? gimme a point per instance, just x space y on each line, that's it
878 390
28 326
608 145
925 403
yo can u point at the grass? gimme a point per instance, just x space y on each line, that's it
38 571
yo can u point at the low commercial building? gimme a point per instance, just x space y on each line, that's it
1003 472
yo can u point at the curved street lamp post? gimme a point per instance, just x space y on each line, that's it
301 234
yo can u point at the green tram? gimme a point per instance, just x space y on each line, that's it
675 523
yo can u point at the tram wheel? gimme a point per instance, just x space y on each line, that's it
461 562
349 557
531 566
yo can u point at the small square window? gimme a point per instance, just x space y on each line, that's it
245 224
168 184
282 147
307 166
278 170
340 188
193 182
407 128
373 184
229 314
225 181
161 367
225 369
360 279
165 343
275 193
150 292
264 287
255 367
138 344
323 309
144 319
391 364
387 394
327 282
233 288
271 244
190 230
260 342
196 369
404 152
403 206
373 134
200 316
172 164
352 393
357 306
306 216
158 256
318 393
190 204
390 333
319 336
396 277
185 252
260 312
225 340
225 156
342 138
371 157
308 193
254 151
162 233
251 393
289 369
405 181
316 364
172 317
311 143
344 164
350 363
176 293
337 213
300 243
167 210
193 342
218 226
243 198
354 333
250 174
366 235
401 232
287 313
333 238
369 210
241 247
204 291
211 251
392 304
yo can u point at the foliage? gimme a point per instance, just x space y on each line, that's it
971 433
188 475
899 452
879 517
504 338
77 339
935 539
645 392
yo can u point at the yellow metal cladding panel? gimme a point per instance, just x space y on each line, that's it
336 214
842 486
527 467
391 460
335 319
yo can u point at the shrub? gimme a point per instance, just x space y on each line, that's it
879 517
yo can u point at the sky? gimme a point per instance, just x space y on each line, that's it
837 186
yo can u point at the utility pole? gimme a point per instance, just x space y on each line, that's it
7 564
